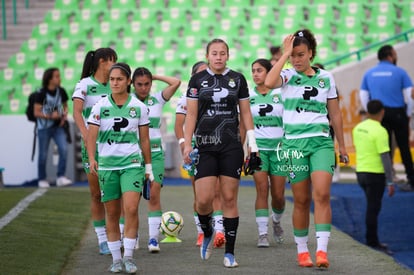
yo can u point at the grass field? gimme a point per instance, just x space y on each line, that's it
41 238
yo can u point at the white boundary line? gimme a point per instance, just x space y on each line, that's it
22 205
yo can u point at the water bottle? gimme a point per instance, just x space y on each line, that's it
193 156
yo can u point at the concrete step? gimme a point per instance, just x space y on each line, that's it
27 19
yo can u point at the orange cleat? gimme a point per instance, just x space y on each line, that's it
219 239
304 259
322 259
200 238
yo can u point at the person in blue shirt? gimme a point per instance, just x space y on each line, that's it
393 87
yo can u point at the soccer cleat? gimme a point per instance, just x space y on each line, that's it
43 184
305 260
116 267
322 259
153 246
278 232
206 247
219 239
263 241
230 261
63 181
104 249
199 239
130 266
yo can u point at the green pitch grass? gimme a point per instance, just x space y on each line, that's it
41 238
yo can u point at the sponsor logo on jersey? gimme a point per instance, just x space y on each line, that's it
204 84
96 117
132 112
219 94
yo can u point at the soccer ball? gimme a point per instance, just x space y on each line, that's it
171 224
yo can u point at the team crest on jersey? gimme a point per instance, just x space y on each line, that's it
132 112
193 91
150 102
275 99
232 84
321 83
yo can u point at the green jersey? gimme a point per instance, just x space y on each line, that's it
118 146
267 111
90 91
304 102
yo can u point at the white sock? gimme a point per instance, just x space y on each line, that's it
154 227
218 222
121 229
115 248
302 244
129 246
322 239
262 225
197 223
276 217
101 234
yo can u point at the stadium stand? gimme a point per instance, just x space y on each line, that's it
168 36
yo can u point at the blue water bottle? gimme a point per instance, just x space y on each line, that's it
194 157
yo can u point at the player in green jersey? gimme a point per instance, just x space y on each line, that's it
308 96
115 123
91 88
267 110
142 80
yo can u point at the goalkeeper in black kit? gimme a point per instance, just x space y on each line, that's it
213 96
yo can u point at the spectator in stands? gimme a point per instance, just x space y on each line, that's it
372 160
393 87
180 114
213 97
51 110
275 54
120 118
91 88
142 80
308 96
266 107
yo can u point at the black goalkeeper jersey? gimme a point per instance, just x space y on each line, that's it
218 96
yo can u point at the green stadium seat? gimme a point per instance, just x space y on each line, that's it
152 4
21 61
57 16
404 15
94 4
122 4
347 24
67 4
76 29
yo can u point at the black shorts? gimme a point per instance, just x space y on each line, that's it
221 163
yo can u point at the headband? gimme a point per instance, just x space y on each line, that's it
120 67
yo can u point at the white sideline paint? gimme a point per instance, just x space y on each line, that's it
22 205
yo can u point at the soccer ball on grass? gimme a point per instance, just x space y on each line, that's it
171 224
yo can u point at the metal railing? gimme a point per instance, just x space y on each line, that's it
3 13
358 53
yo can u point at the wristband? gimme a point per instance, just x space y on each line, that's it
181 141
252 141
148 170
